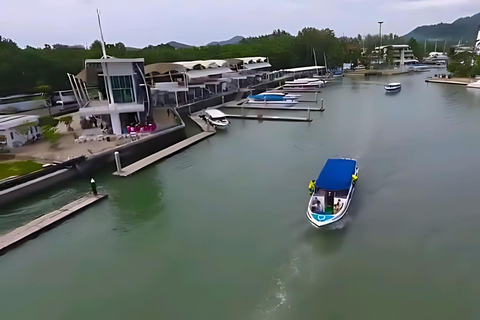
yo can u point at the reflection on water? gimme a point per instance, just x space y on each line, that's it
221 227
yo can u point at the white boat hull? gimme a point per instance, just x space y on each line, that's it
285 104
321 220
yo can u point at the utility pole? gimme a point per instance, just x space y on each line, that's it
380 23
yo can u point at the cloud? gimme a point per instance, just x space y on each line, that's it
142 22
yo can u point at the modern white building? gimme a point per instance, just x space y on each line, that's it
16 130
123 93
398 54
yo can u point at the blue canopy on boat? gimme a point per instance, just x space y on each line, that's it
266 97
336 175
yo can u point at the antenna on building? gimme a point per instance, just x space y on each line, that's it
101 35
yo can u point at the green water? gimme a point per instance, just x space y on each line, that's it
219 230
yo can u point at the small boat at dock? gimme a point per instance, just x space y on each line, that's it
273 99
332 192
474 85
215 118
304 85
393 87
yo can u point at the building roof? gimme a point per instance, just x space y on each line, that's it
336 175
251 60
257 65
115 60
12 121
193 74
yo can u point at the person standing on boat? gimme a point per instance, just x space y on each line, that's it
311 186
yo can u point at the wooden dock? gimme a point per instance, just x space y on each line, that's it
139 165
262 117
19 235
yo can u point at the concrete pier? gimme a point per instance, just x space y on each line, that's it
457 81
19 235
262 117
252 106
139 165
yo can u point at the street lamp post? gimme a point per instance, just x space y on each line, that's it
380 23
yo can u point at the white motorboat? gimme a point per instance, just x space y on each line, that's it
474 85
332 192
215 118
285 95
393 87
22 102
275 99
304 85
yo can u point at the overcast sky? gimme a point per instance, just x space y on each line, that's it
138 23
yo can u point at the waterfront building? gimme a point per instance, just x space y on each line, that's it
188 81
397 55
122 93
16 130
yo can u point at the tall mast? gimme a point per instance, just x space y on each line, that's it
325 59
315 57
101 35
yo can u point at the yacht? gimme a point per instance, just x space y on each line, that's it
273 99
474 85
215 118
332 192
304 85
393 87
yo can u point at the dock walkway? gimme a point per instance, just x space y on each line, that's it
262 117
38 225
457 81
134 167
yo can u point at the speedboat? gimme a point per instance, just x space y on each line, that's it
475 85
215 118
283 94
332 192
304 85
275 99
393 87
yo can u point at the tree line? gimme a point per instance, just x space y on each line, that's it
24 70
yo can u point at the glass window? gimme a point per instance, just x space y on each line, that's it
122 88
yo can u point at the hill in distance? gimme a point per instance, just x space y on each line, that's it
234 40
463 28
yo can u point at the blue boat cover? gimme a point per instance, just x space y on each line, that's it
266 97
336 175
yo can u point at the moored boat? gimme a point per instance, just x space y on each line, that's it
216 118
304 85
393 87
474 85
332 192
278 100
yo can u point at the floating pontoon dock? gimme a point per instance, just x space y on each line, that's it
262 117
134 167
46 221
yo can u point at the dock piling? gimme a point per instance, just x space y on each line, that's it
117 161
308 114
93 185
322 108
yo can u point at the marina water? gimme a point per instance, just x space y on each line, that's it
219 231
